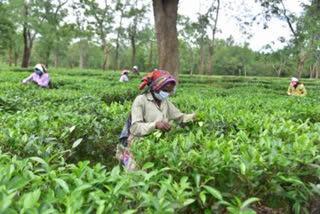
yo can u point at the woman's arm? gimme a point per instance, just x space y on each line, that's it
27 79
177 116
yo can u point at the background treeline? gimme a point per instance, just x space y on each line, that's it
113 35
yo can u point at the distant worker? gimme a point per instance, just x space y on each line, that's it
124 76
39 77
150 110
135 70
296 88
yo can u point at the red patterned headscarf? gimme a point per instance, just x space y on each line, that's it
156 79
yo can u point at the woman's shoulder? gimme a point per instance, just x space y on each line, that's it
141 97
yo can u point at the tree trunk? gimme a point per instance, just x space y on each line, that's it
191 69
56 58
105 55
211 47
10 56
317 67
133 45
26 50
300 66
47 57
304 56
210 60
165 16
103 46
80 54
150 56
27 40
311 72
116 56
201 56
16 57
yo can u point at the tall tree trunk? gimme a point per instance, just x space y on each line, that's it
116 56
47 57
165 15
25 58
27 40
105 55
311 71
103 46
10 56
26 50
133 45
211 47
150 56
56 58
16 57
317 67
201 56
80 55
304 56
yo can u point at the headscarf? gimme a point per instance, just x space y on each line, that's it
294 81
156 79
125 71
40 67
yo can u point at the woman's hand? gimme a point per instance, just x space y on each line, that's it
194 118
163 126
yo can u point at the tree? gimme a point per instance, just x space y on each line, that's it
305 29
50 30
121 7
29 15
82 31
6 26
7 33
136 15
102 22
165 16
213 27
201 27
188 34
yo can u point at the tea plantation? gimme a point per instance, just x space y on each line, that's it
253 149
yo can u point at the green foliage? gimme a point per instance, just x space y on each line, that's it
252 147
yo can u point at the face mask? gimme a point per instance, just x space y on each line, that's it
293 83
161 95
38 71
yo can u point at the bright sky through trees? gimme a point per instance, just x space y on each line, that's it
244 9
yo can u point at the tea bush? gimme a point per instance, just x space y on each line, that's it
252 148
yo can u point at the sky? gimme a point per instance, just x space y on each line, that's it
227 23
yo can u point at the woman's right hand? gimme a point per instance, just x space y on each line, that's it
163 126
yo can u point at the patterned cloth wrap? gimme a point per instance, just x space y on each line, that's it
156 79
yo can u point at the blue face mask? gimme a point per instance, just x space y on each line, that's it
161 95
38 71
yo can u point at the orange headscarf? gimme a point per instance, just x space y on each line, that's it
156 79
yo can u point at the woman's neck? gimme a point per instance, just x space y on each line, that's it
155 99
